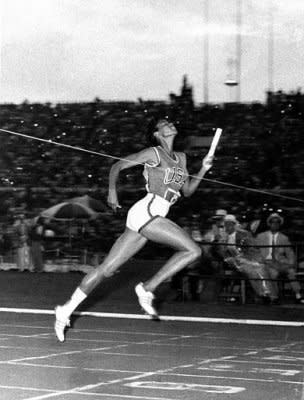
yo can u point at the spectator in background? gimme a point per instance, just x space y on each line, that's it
240 254
217 230
212 250
257 223
21 229
5 241
279 256
36 235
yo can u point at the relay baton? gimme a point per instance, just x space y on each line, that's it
215 141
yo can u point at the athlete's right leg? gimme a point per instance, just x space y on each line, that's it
128 244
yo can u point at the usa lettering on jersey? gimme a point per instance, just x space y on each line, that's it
174 175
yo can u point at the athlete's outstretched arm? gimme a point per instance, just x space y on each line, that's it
191 184
145 156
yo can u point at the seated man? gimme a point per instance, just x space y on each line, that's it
279 260
240 254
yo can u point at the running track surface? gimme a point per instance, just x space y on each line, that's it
135 358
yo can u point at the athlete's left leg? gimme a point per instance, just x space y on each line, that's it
164 231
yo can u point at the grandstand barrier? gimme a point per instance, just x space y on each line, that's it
82 260
236 286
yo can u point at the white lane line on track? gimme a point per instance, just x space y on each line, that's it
149 374
88 330
58 354
273 371
27 388
267 363
9 335
111 382
207 335
159 372
54 392
146 343
42 357
236 378
278 360
141 333
132 355
119 371
123 332
26 364
287 351
102 350
162 318
156 342
107 395
120 396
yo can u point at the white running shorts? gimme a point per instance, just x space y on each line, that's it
145 210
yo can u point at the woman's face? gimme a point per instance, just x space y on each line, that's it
166 129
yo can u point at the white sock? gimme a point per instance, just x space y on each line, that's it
77 297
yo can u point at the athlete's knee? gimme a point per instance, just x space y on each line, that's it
195 252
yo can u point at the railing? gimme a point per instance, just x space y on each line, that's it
74 258
297 247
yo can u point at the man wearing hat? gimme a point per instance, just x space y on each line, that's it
241 255
216 231
279 260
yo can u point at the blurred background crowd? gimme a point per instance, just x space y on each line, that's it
261 148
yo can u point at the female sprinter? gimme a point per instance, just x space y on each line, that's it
166 175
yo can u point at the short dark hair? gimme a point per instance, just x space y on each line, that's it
150 130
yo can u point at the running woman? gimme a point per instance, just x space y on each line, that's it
166 175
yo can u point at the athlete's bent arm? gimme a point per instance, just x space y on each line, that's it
143 157
191 185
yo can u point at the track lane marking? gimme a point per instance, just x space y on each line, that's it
111 382
24 388
162 318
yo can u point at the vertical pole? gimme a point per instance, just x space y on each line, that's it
206 53
238 49
270 47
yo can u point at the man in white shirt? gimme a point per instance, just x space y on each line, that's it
239 253
278 254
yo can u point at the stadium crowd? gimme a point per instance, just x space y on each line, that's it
261 148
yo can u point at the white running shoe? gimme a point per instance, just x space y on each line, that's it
61 323
145 300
